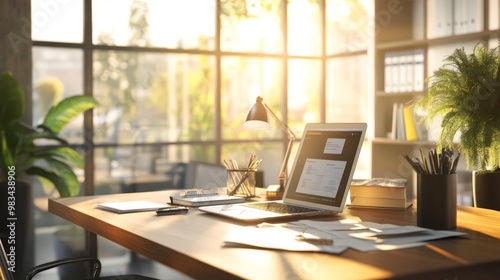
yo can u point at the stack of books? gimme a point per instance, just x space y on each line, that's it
381 193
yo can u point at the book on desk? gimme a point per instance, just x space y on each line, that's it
204 197
122 207
380 193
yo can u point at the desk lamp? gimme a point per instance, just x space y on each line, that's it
257 119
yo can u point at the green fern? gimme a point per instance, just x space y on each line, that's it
465 91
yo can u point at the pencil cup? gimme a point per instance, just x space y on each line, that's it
241 182
437 201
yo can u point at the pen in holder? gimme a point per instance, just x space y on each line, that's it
241 182
436 188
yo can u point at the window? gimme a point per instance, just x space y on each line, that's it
175 82
175 79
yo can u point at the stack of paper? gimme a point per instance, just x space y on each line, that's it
360 236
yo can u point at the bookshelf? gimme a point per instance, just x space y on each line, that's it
435 28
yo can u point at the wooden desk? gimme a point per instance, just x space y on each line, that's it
192 245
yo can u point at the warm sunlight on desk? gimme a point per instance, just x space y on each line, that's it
193 244
467 219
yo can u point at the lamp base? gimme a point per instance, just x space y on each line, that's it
274 192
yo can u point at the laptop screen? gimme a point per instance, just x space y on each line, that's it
324 164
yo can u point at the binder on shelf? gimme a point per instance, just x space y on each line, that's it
394 121
409 69
418 70
404 124
460 24
410 125
439 18
454 17
400 129
388 72
203 197
404 71
475 16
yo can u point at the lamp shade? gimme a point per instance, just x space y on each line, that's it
257 116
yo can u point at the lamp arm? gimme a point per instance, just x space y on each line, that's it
291 138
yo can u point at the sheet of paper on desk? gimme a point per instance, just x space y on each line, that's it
369 236
278 238
361 236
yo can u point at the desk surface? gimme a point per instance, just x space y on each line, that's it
192 244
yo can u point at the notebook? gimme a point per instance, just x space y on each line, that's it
319 181
130 206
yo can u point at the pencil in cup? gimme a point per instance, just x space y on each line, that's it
436 163
241 182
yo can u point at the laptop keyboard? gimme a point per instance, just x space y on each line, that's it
281 208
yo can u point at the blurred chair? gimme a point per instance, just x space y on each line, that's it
6 274
204 175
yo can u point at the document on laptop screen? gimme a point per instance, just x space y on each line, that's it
323 165
321 177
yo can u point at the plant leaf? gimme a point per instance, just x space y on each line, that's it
66 110
6 157
12 100
62 176
67 154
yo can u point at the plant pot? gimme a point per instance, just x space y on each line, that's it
486 189
17 230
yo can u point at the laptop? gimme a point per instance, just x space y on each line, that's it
319 181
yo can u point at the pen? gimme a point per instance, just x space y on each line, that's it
455 163
424 162
435 163
171 210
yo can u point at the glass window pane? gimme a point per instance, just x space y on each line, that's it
151 97
251 26
347 89
304 83
348 25
57 74
155 23
57 21
243 80
304 27
146 168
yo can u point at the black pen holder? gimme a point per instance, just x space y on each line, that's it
437 201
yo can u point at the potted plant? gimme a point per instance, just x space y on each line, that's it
465 92
21 156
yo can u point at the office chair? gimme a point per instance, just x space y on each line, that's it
6 274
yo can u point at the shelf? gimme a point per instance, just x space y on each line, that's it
380 93
406 44
407 32
388 141
416 44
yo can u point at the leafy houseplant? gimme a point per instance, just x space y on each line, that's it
465 91
18 141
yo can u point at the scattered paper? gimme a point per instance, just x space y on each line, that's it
343 234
